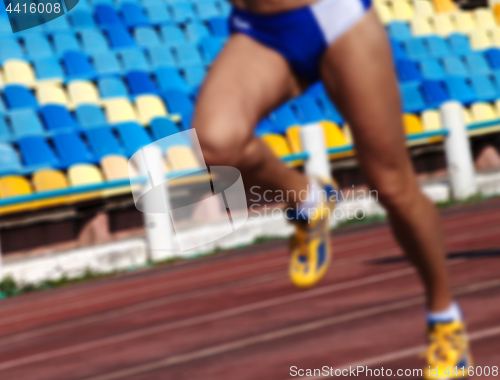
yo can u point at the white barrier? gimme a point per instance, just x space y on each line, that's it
458 152
313 143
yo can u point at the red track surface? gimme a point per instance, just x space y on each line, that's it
236 316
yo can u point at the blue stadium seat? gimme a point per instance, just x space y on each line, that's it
77 65
159 56
454 66
263 127
93 41
206 9
477 64
48 67
219 26
19 97
35 151
119 37
329 109
413 100
172 35
168 78
432 69
112 87
225 8
3 109
459 44
308 110
158 14
10 49
493 57
133 15
178 102
90 116
182 12
106 15
57 117
133 136
37 46
71 149
210 48
459 90
434 93
196 31
25 122
398 52
146 36
65 41
162 127
485 89
408 71
416 49
283 117
9 159
5 133
187 54
437 47
194 75
81 19
59 24
103 142
106 63
399 31
139 82
133 59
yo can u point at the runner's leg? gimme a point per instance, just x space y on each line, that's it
358 72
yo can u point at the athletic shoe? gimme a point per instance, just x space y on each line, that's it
448 355
310 245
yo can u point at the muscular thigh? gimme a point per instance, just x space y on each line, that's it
359 75
246 81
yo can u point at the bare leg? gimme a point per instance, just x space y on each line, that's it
358 72
246 82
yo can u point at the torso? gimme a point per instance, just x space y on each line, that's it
270 6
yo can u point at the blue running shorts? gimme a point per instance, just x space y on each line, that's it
301 35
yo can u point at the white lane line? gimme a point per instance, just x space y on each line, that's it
406 353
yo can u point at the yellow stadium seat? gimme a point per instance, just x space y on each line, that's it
495 37
431 120
293 137
334 137
384 12
480 39
346 129
402 10
464 22
423 8
485 18
115 168
84 174
467 116
18 72
483 112
15 186
149 107
443 25
82 92
444 6
119 110
277 144
421 26
412 124
182 158
496 12
48 180
51 94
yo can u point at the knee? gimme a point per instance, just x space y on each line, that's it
222 146
397 194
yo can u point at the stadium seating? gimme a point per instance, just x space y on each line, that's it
84 92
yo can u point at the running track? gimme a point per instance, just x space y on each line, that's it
236 317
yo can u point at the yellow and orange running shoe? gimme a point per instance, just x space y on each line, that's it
310 245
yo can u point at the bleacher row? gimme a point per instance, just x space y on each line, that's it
82 93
